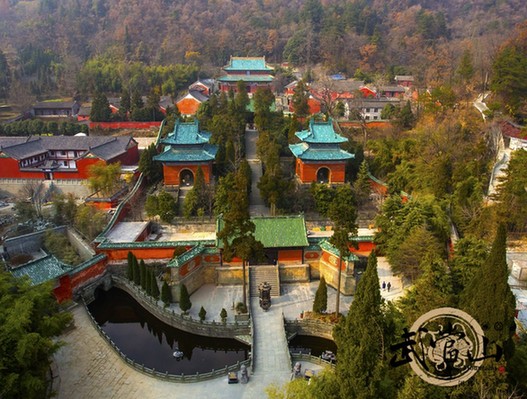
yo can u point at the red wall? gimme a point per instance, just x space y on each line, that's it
373 124
124 125
68 283
9 169
140 253
307 172
171 172
189 266
290 255
131 157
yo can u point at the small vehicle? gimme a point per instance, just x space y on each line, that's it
178 354
328 356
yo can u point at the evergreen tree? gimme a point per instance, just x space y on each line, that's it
153 170
129 269
148 282
362 186
223 315
184 299
137 272
126 103
359 338
166 294
100 108
300 100
5 76
154 287
241 99
142 269
321 297
465 69
202 313
488 297
343 214
405 118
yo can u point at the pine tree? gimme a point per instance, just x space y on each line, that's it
142 269
166 294
359 338
362 185
148 282
184 299
223 315
488 297
137 272
100 108
202 313
130 265
321 297
154 287
300 100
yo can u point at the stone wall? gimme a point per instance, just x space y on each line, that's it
28 243
294 273
83 248
232 275
309 327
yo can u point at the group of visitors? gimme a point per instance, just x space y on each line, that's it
386 286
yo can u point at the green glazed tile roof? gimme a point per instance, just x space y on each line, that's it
320 132
246 78
247 64
204 153
87 264
186 133
42 270
277 232
311 153
153 244
186 256
326 246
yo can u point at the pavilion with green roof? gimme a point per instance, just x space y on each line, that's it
185 150
254 71
319 157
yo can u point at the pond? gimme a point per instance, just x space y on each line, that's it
311 345
147 340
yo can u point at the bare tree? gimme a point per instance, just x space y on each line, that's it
35 192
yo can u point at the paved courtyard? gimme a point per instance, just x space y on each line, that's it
88 368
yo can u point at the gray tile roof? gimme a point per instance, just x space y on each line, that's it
105 148
42 270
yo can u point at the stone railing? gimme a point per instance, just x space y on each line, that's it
185 323
305 357
310 327
166 376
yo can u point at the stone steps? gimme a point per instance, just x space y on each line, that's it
260 274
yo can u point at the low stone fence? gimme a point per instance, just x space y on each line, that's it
166 376
304 357
185 323
310 327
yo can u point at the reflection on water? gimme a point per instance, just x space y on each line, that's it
149 341
311 345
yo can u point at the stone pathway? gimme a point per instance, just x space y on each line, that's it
271 350
257 206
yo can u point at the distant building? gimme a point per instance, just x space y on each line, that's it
404 80
189 104
62 157
319 157
56 109
254 71
204 86
186 149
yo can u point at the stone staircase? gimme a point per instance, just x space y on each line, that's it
262 273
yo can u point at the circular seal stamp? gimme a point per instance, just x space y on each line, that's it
448 347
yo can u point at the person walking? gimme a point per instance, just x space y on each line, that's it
388 286
383 285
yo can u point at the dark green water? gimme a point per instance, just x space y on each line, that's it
149 341
311 345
